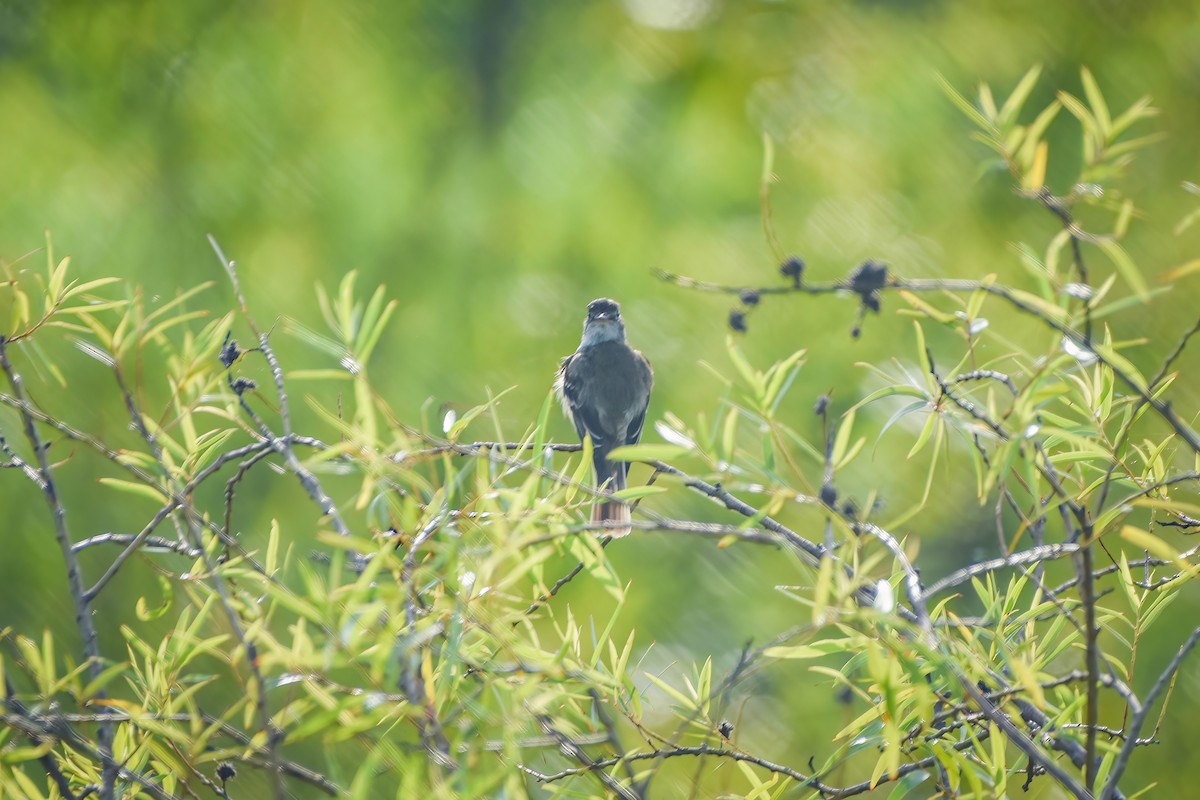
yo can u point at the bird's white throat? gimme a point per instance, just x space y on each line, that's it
597 332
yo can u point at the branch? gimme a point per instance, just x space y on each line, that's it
272 734
281 444
894 283
1033 555
411 678
47 760
1140 715
912 582
811 552
44 730
149 542
83 614
572 749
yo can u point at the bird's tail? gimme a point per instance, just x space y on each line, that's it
613 513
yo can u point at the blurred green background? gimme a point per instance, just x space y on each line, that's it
498 164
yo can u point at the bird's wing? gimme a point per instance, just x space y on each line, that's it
633 433
570 390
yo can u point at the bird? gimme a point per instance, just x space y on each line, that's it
604 387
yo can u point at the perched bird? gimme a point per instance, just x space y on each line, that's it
604 387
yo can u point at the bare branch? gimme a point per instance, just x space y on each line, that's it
1140 714
75 581
1033 555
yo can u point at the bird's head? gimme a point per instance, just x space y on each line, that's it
603 322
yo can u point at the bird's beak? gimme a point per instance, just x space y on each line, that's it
603 317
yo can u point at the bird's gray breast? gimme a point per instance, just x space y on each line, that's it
613 384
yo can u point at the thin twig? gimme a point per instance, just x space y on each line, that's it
545 597
1127 430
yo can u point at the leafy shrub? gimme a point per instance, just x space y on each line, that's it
394 626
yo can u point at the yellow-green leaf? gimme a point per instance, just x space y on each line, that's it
131 487
647 452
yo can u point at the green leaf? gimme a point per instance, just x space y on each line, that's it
964 105
319 375
1078 110
900 390
907 783
1124 265
1140 109
373 327
100 681
1120 362
1096 100
780 379
1130 145
638 492
729 436
579 476
752 377
1035 131
145 613
1012 106
1049 310
903 412
1148 541
815 649
1035 172
1183 270
987 103
153 333
647 452
466 419
671 691
926 432
851 454
21 754
841 441
923 359
539 431
140 489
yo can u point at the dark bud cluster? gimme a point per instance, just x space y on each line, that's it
242 385
828 495
230 352
226 772
867 277
821 406
793 269
725 728
866 280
